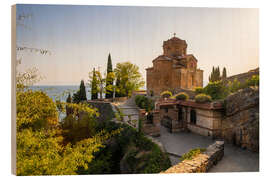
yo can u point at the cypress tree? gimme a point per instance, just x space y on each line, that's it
68 109
215 75
224 73
94 90
109 81
218 74
82 93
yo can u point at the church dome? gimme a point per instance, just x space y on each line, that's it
174 47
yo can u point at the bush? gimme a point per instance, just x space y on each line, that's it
192 153
217 90
254 81
199 90
203 98
144 103
166 94
182 96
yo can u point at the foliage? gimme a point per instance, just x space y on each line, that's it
224 73
166 94
144 103
69 100
128 79
101 83
41 153
215 75
182 96
203 98
109 79
130 143
234 86
119 115
94 85
253 81
217 90
199 90
80 95
192 153
35 110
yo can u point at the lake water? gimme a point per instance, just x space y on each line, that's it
60 92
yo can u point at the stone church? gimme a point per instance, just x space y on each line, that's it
174 70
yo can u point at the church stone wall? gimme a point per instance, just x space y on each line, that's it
174 69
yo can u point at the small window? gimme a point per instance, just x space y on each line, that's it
193 117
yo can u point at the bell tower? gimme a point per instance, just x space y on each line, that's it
174 47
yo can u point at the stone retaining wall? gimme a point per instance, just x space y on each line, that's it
202 162
241 123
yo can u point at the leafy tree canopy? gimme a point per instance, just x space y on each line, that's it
128 78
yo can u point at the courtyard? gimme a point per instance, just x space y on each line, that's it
235 159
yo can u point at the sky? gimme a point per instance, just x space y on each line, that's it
81 37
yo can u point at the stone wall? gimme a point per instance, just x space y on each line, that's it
241 123
150 128
202 162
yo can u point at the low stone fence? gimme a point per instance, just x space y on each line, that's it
202 162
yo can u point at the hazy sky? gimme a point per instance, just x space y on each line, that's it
81 37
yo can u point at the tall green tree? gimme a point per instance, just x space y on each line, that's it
224 73
68 109
129 78
93 84
80 95
109 78
215 75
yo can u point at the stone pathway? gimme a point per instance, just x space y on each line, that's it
130 111
179 143
235 159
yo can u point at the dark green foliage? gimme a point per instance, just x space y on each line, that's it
94 88
224 73
215 75
80 95
130 143
203 98
118 93
199 90
75 129
144 103
68 109
82 91
217 90
182 96
109 80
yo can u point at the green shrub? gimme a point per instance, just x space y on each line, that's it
166 94
144 103
192 153
199 90
217 90
234 86
253 81
203 98
182 96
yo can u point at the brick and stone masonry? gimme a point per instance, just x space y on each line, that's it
173 70
202 162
